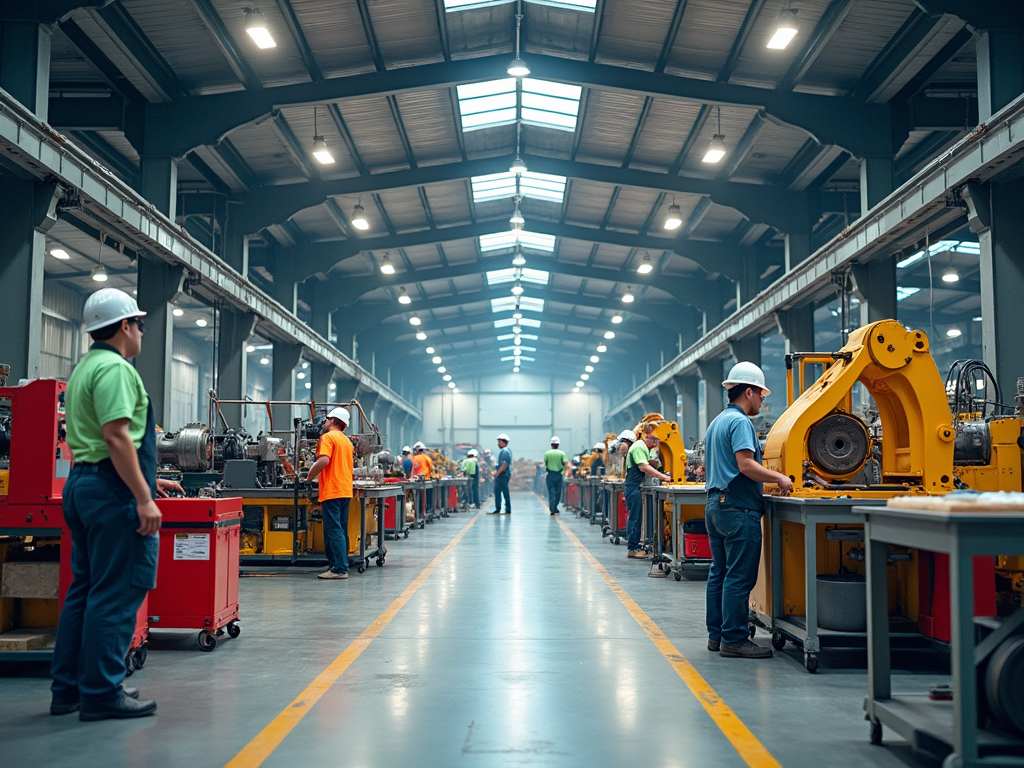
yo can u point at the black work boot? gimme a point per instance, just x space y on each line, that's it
745 649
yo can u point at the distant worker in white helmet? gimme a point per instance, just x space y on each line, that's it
502 476
407 461
471 469
555 462
735 502
334 466
597 466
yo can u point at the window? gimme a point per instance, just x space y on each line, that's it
905 293
487 104
587 6
508 322
966 247
550 105
497 276
508 303
496 186
533 240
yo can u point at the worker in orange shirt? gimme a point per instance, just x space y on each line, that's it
423 466
334 466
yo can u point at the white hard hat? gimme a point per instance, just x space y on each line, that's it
417 446
107 306
406 449
746 373
555 441
504 437
341 414
598 446
628 434
471 452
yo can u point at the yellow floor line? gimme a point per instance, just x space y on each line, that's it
266 741
750 749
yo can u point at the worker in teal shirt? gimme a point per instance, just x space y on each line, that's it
502 476
555 462
109 509
732 515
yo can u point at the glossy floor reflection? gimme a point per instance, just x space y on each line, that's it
513 652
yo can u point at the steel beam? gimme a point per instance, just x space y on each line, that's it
815 44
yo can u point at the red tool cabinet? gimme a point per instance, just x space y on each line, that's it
197 578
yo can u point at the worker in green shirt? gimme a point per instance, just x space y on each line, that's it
555 462
638 464
110 510
471 469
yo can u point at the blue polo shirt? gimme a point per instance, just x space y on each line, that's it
731 431
505 457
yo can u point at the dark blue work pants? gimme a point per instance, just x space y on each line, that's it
113 568
735 538
554 482
634 521
474 487
501 490
335 512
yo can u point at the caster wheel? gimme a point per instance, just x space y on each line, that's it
129 665
876 734
220 632
778 641
140 657
206 641
751 630
953 761
361 568
811 662
678 575
234 630
380 562
615 541
406 535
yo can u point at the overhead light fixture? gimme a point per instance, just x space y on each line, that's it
403 297
421 336
305 366
430 350
517 341
579 383
628 297
517 315
519 260
264 361
609 335
250 348
451 385
308 385
386 267
953 333
359 220
517 329
646 266
415 320
99 273
786 27
589 369
575 389
436 359
455 390
177 312
256 28
60 253
515 369
201 322
517 221
518 166
674 220
616 319
595 359
518 67
517 290
441 369
950 275
300 375
321 152
716 149
333 385
602 348
447 377
584 376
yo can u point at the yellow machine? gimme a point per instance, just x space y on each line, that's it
831 452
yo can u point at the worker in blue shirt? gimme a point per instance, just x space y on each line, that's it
407 461
555 462
502 476
735 502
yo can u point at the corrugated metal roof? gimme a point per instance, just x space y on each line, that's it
633 32
375 134
407 32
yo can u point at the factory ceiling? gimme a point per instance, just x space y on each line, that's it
412 101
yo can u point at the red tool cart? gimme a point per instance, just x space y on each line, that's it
197 577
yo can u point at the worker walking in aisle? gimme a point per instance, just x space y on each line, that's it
735 502
555 461
407 461
638 464
109 509
502 476
334 466
471 469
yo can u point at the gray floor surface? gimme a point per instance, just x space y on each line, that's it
514 652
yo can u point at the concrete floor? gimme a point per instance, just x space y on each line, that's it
513 652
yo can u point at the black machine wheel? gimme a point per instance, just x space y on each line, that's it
361 568
876 733
380 562
811 662
778 641
207 641
678 575
234 630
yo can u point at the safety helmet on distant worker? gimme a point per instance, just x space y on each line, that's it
108 306
471 453
598 446
746 373
555 441
406 449
341 414
504 437
417 446
628 434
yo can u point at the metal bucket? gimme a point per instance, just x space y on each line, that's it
842 602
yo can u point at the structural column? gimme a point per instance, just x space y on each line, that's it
25 64
381 417
286 357
159 284
798 248
876 181
235 330
711 374
1000 56
876 283
651 403
797 327
746 349
367 401
160 184
750 279
320 377
236 241
667 393
689 426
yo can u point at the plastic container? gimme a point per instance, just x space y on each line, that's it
842 602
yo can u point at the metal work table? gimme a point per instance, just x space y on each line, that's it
611 490
679 496
942 729
444 484
596 509
375 493
418 489
804 630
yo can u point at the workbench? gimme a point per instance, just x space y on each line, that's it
418 490
941 729
377 494
445 486
615 516
686 502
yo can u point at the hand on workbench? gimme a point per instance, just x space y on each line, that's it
785 486
165 487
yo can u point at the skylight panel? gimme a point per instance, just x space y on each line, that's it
487 104
584 6
526 336
497 241
522 349
496 276
538 276
550 105
912 259
494 186
531 305
508 303
537 241
541 186
527 359
526 322
905 293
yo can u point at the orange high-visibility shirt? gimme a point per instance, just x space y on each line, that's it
336 479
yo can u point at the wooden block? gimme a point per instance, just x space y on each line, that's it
27 640
35 580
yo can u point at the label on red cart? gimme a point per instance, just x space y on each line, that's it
191 546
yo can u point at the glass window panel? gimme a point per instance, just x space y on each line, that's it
488 119
549 119
549 88
486 88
